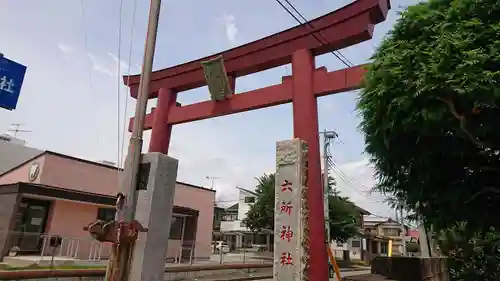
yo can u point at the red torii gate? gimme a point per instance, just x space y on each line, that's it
344 27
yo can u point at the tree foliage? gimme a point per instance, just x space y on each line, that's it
430 112
342 212
471 255
261 213
342 216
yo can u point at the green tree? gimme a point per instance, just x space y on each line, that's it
261 214
342 217
430 116
430 112
472 255
342 211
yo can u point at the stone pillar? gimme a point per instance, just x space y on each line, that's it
154 211
291 231
162 131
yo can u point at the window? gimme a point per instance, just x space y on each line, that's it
384 248
391 231
230 217
249 199
340 244
176 228
356 244
106 214
370 229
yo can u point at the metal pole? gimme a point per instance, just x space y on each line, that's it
126 212
325 185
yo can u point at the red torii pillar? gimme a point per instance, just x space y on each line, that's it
347 26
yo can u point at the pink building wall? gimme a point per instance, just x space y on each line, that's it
67 218
21 174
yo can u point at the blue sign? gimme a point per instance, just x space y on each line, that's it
11 80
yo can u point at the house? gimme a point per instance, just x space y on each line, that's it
234 230
218 212
55 194
354 247
389 229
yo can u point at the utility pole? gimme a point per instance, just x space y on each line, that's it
403 229
119 261
212 179
328 137
17 130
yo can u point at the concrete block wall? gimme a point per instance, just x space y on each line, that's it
411 268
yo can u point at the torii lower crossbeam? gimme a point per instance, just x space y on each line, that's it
326 83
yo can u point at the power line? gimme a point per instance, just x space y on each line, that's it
350 183
127 91
321 36
86 45
118 84
323 40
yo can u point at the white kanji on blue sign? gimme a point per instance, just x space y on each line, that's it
11 80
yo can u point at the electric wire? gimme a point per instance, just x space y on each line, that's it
342 176
353 181
127 91
343 59
331 165
118 73
86 46
320 35
349 184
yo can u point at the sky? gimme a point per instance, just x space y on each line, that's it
74 102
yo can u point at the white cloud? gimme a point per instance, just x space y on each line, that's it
123 65
66 49
100 65
230 26
355 180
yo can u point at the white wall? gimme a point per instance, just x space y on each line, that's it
231 225
243 207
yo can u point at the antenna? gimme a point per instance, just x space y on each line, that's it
213 179
17 130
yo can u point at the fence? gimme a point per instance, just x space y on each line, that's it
234 272
28 248
21 244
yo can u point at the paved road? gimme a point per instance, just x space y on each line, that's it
343 274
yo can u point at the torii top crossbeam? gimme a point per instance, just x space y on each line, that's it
345 27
